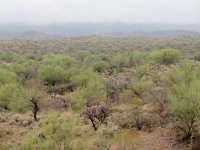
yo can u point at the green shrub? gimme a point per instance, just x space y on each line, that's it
10 57
7 94
141 71
26 70
197 56
52 74
77 99
139 86
136 58
55 132
118 61
95 91
81 77
14 97
81 56
166 56
7 76
58 60
100 66
184 96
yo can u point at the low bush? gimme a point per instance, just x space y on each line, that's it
55 132
77 99
141 71
100 66
166 56
136 58
7 76
139 86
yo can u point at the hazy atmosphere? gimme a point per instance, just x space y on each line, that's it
98 11
100 75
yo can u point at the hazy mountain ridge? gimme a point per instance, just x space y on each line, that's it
78 29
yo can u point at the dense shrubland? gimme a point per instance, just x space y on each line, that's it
101 99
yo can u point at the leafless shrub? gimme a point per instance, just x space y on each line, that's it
96 115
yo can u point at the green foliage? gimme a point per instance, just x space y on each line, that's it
81 56
139 86
58 60
10 57
54 68
6 94
94 91
136 58
184 95
19 101
25 70
100 66
7 76
56 132
118 61
52 74
176 75
77 99
166 56
81 77
197 56
141 71
16 97
13 97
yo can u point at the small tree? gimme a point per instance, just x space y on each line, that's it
96 115
21 99
34 97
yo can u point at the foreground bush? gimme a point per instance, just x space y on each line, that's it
166 56
55 133
185 97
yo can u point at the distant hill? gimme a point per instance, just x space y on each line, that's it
78 29
36 35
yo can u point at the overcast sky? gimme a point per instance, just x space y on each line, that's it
131 11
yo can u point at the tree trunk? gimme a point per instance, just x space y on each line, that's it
35 110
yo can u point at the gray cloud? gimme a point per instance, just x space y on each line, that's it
131 11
